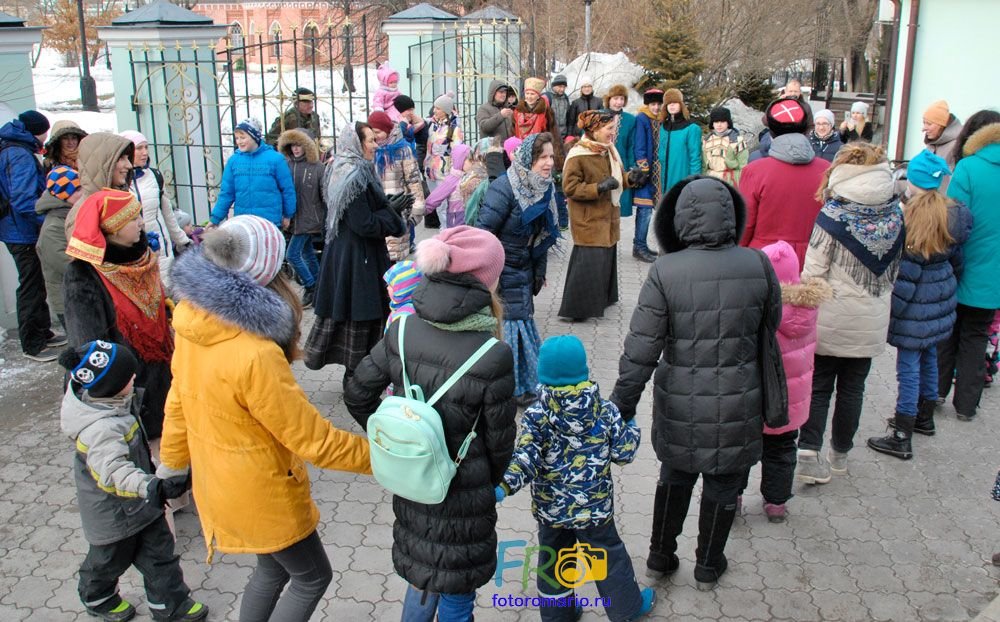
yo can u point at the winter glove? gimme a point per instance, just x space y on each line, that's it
154 241
635 177
174 487
154 493
631 422
399 203
609 183
537 284
500 493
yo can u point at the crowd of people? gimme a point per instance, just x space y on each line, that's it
807 255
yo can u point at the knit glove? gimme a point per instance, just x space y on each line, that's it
399 203
154 493
608 184
500 493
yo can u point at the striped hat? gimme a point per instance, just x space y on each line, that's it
62 182
248 244
402 279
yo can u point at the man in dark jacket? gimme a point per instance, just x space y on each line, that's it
586 101
559 103
21 183
300 115
495 119
696 324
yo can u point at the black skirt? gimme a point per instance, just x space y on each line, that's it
591 282
342 343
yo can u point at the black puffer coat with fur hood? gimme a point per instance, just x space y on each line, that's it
696 324
307 175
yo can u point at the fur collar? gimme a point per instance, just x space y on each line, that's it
300 138
232 296
809 293
983 137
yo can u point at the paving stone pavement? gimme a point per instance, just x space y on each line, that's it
892 541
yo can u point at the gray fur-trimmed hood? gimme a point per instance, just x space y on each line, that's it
232 296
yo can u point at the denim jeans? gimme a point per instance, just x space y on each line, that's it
561 209
419 606
308 567
302 256
962 358
643 214
917 377
33 320
849 375
619 587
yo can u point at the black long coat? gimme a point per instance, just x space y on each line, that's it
696 324
350 286
449 547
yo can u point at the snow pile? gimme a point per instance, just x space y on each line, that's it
606 70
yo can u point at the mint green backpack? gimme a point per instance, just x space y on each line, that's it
408 451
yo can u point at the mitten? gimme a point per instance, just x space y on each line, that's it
500 493
154 240
632 423
174 487
154 493
609 183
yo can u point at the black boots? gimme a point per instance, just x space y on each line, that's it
643 255
308 297
897 443
670 507
925 418
714 522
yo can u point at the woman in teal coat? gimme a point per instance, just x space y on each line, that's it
615 101
962 356
680 141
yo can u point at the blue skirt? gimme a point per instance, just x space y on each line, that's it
523 338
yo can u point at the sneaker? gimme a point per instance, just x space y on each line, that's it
189 611
812 468
47 355
113 611
56 341
775 512
838 462
648 600
308 297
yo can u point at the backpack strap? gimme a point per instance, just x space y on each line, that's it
410 391
461 371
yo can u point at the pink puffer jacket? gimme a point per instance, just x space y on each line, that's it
797 331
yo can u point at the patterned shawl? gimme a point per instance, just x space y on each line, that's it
349 175
865 240
535 194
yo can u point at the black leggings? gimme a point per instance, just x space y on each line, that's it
304 563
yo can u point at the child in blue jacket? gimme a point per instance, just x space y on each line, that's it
256 180
924 299
568 440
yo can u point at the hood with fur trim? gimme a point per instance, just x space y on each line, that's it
982 138
233 297
800 302
300 138
700 212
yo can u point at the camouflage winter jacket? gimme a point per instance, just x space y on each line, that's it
568 441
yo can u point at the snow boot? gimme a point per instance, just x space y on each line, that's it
925 418
670 507
308 297
714 522
896 443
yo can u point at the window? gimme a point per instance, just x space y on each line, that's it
276 39
311 36
236 35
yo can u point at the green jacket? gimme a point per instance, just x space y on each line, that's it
51 248
679 151
293 119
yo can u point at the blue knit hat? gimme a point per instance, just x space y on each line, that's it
252 127
927 170
562 361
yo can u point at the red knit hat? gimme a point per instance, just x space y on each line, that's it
381 121
104 212
463 250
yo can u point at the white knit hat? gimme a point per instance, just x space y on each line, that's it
861 107
248 244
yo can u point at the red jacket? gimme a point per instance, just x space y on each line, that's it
780 198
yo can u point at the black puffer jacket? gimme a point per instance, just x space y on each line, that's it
522 275
449 547
697 321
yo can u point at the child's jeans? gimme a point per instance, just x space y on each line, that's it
419 606
151 551
611 568
643 214
917 377
308 567
777 467
302 256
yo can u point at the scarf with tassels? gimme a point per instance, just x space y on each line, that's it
482 321
588 147
346 178
865 240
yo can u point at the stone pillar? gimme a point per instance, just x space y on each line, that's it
17 93
165 72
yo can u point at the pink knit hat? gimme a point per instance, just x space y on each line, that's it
510 146
459 154
136 137
247 244
463 250
784 260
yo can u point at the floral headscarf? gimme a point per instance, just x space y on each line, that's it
347 177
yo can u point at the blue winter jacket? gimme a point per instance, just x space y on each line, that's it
22 182
974 183
259 183
500 214
924 297
568 440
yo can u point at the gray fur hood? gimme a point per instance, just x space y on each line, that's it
233 297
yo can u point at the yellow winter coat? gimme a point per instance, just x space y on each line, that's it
237 416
